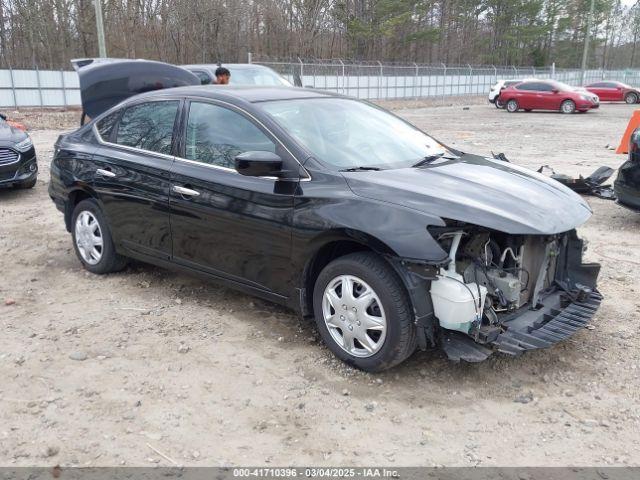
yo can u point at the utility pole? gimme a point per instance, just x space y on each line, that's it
102 49
585 52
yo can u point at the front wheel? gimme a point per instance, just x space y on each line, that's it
631 98
92 239
498 103
363 312
512 106
568 106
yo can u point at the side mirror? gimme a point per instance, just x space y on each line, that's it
554 90
259 164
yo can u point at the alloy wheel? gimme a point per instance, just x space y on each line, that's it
512 106
354 316
568 106
631 98
88 236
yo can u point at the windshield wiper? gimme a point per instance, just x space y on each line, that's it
432 158
361 169
428 159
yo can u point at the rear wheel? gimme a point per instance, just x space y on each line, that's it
568 106
92 239
498 103
363 312
631 98
512 106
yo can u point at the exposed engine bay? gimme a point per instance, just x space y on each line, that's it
493 278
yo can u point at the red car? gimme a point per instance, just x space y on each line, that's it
547 95
615 92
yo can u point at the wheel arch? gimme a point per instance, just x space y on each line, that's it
414 275
74 197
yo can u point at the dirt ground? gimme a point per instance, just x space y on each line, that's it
152 367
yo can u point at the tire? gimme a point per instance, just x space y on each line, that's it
512 106
88 223
568 106
498 104
631 98
392 337
28 185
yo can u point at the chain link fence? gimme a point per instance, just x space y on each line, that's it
365 80
384 81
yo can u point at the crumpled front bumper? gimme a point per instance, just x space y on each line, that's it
534 329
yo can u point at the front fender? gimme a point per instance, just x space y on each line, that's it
385 228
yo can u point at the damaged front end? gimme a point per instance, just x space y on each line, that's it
509 293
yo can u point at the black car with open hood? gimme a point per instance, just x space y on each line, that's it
336 208
105 82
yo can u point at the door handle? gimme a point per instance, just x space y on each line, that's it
105 173
185 191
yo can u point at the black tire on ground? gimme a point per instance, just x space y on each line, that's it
498 103
400 340
512 106
631 97
568 106
110 261
29 184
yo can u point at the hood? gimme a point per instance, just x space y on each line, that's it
10 135
105 82
479 191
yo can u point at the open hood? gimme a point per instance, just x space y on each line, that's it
105 82
479 191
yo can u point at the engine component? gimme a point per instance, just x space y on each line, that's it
456 304
507 283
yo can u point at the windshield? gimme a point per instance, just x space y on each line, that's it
347 133
256 76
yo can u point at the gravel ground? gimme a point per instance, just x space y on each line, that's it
153 367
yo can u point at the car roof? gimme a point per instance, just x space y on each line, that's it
251 94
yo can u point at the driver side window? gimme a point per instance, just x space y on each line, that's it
216 135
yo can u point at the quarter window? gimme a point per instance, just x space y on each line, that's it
216 135
148 126
106 124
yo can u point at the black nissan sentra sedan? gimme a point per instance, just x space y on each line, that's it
335 208
18 162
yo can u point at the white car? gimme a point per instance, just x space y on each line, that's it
495 90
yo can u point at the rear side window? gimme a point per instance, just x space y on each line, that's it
148 126
216 135
526 86
106 124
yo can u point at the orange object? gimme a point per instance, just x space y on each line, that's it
17 125
633 124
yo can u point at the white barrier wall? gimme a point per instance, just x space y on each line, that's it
29 88
35 88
